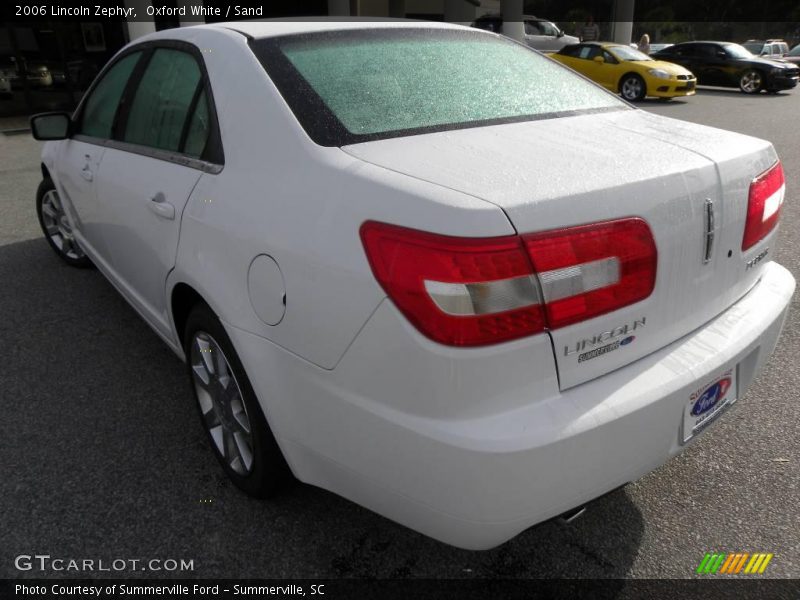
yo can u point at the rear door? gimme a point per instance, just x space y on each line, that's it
79 157
166 139
717 65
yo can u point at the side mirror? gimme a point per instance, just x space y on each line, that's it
599 59
560 33
51 126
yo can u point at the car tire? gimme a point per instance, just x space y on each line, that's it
57 230
229 410
632 87
751 82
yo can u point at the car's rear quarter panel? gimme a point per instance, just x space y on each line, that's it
282 195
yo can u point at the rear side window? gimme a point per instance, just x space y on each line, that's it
163 99
101 105
706 50
532 28
589 52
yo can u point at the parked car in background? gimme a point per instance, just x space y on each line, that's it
767 48
793 56
470 297
540 34
730 65
36 72
656 47
626 71
5 85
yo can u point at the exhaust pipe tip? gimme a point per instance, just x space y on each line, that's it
571 515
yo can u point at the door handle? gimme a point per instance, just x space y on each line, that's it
159 205
86 173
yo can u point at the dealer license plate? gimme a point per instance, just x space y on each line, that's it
707 402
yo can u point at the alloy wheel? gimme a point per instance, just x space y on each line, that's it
750 82
57 226
220 398
632 88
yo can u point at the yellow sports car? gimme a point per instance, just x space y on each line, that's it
626 71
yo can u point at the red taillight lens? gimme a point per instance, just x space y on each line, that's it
479 291
591 270
764 205
457 291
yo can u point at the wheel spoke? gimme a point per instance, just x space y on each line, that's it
217 434
204 347
243 450
221 368
239 414
71 248
211 418
204 397
55 200
201 374
49 211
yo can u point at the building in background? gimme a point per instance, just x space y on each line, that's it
50 63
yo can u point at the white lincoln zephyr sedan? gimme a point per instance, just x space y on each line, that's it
420 265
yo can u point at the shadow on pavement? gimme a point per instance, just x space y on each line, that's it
714 91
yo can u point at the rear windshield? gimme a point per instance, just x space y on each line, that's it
351 86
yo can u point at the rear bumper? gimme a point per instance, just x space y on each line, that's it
479 478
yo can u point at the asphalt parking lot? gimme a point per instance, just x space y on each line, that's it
103 456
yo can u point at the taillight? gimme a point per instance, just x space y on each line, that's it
763 205
479 291
591 270
457 291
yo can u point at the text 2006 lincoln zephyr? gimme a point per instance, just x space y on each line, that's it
419 265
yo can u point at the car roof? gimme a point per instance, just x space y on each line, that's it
706 42
493 16
277 27
601 44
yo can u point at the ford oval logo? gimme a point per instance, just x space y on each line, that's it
627 340
711 397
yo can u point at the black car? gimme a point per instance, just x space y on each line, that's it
731 65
